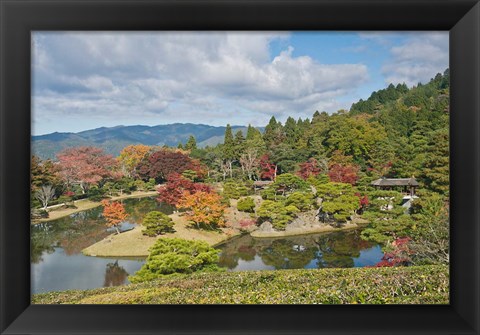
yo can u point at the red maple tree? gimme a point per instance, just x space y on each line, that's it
310 168
267 170
173 191
400 255
160 164
343 173
85 166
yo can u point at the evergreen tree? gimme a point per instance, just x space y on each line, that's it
291 131
273 135
239 142
228 151
191 143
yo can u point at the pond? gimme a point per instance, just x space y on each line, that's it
56 249
58 264
343 249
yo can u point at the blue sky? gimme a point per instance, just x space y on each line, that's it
86 80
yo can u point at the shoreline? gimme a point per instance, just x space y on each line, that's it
296 232
86 204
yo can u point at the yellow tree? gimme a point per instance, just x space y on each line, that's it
203 208
131 156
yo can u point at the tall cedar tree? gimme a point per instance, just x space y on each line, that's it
191 143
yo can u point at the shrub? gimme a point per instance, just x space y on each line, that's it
303 201
246 205
234 190
174 255
96 194
277 213
157 223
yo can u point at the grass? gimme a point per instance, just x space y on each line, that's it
84 204
134 243
399 285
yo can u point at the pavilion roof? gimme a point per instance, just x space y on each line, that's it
395 182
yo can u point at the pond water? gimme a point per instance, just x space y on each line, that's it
343 249
58 264
56 249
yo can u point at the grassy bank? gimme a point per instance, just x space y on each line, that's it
407 285
133 243
84 204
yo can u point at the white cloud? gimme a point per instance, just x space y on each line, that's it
419 59
180 77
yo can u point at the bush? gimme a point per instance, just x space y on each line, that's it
277 213
157 223
398 285
234 190
96 194
151 184
177 256
38 214
303 201
246 205
140 185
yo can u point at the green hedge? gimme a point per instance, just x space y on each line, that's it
399 285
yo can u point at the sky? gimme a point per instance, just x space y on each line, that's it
87 80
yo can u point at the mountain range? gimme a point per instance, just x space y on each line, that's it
114 139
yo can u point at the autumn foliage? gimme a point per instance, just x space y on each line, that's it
399 255
203 208
114 212
267 169
176 186
85 166
343 173
163 163
310 168
131 156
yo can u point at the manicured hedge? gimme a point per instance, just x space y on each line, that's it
399 285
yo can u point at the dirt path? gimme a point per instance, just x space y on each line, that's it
85 204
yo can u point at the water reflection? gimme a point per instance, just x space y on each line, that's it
115 275
57 261
332 250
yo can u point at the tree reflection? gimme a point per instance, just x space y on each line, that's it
115 275
286 254
328 250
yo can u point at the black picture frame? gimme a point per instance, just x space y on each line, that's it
20 17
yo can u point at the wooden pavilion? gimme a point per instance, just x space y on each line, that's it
408 185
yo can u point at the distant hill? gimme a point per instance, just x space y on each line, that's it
114 139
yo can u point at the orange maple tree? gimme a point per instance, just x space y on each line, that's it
114 212
203 208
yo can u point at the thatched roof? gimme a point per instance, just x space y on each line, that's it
395 182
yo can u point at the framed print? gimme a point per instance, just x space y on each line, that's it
254 167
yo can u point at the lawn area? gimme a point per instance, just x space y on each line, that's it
134 243
397 285
84 204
